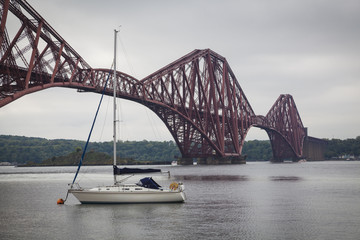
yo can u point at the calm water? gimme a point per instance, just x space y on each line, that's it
319 200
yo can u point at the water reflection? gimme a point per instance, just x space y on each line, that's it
285 178
212 178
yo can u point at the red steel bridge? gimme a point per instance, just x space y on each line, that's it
197 97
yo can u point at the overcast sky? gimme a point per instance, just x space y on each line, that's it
309 49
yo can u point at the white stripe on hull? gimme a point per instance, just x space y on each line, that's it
85 196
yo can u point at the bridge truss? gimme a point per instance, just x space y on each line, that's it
197 97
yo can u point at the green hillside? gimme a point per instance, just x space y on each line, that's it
36 150
16 149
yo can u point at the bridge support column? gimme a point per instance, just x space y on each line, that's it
273 160
281 160
238 159
314 149
216 160
185 161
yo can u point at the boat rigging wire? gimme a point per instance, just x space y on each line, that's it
92 127
131 67
105 118
60 200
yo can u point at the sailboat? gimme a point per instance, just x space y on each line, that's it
145 191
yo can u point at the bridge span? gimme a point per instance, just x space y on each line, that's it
197 96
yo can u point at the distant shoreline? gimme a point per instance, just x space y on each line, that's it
155 163
66 165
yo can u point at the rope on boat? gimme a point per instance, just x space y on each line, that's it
62 201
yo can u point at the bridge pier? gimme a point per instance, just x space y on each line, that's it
213 160
314 149
273 160
185 161
216 160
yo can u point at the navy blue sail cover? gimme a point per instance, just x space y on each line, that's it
121 171
148 182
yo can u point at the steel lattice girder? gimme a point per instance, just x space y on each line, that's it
197 97
201 88
52 60
286 130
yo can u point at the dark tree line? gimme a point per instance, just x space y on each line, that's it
337 148
257 150
36 150
29 149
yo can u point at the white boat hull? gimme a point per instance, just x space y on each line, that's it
117 195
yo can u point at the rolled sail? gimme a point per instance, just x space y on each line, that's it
125 170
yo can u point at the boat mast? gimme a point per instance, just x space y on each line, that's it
114 96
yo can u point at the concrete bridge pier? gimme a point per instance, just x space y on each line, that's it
217 160
276 160
185 161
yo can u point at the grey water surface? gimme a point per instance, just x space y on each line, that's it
312 200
